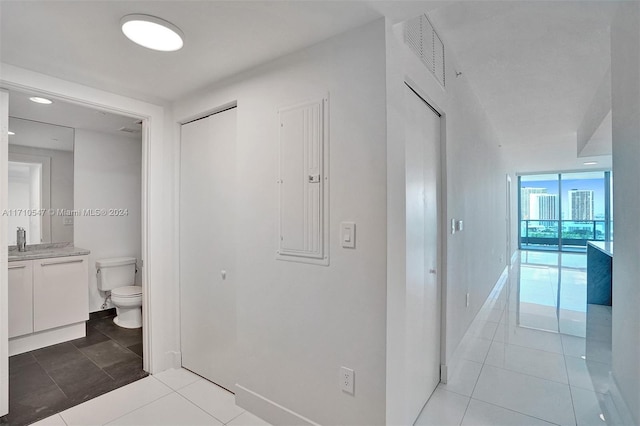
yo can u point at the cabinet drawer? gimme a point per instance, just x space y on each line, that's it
60 291
20 298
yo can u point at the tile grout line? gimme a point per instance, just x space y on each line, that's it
128 412
218 386
52 379
479 374
114 340
573 405
201 409
512 371
532 375
515 411
243 411
537 349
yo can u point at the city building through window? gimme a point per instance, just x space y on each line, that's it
562 211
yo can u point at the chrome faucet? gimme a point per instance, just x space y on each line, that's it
21 239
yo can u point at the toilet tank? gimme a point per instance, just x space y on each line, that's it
116 272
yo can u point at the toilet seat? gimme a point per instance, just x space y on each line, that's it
127 291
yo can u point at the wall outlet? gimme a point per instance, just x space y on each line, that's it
347 380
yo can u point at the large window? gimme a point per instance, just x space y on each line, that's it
565 210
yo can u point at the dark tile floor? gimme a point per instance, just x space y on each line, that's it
49 380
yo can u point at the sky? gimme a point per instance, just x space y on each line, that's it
597 185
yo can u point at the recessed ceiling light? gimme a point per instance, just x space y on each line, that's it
39 100
152 32
590 163
10 133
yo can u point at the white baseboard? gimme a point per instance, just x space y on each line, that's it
268 410
618 412
175 359
30 342
514 257
444 373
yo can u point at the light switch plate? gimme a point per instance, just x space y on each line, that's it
348 234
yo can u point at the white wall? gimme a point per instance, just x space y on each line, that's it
298 323
61 187
597 111
475 185
625 75
108 176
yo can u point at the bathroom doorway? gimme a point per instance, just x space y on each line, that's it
101 336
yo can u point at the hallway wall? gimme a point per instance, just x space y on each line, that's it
625 75
298 323
475 184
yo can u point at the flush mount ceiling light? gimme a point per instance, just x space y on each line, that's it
590 163
152 32
40 100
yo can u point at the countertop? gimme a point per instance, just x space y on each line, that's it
604 246
44 251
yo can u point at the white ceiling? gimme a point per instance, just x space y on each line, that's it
534 65
82 41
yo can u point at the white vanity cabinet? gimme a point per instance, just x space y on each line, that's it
20 298
48 301
60 291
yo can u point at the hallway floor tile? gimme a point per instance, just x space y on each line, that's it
533 356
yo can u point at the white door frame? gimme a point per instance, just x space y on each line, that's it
4 241
159 350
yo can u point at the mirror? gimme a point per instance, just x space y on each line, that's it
40 181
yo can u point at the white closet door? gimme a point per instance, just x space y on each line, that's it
423 295
207 264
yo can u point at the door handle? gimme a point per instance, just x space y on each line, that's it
61 263
432 271
17 266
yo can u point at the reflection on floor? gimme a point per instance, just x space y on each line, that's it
536 354
52 379
553 292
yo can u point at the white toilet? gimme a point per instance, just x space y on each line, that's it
118 275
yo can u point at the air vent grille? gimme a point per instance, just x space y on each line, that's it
423 40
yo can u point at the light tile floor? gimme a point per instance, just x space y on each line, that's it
503 374
510 371
173 397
